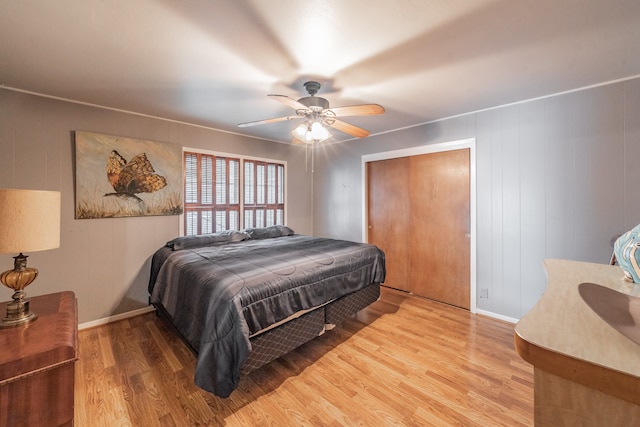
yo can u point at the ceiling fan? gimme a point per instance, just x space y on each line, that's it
317 114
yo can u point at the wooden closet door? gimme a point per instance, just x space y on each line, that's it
440 256
388 213
422 218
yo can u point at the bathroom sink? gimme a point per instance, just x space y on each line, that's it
620 311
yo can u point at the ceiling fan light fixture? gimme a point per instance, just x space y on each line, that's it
310 133
303 134
319 132
300 132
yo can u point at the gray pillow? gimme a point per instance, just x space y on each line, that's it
207 239
269 232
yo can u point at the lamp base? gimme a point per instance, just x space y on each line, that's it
17 279
18 314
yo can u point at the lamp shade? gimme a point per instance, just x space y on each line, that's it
29 220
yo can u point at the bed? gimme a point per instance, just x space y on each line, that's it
241 299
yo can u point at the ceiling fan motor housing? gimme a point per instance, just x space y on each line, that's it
315 103
312 87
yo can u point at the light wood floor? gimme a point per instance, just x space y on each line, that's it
403 361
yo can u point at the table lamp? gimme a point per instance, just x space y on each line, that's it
29 222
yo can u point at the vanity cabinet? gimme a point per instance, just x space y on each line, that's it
586 373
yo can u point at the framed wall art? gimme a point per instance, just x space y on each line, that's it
120 177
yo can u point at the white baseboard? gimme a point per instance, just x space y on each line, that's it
115 317
497 316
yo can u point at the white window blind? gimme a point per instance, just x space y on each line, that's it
191 178
271 184
234 181
260 184
280 185
206 188
249 183
221 181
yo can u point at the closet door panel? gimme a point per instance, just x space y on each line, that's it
388 211
439 258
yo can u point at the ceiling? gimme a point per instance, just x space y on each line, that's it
212 63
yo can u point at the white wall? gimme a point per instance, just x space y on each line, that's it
106 261
556 178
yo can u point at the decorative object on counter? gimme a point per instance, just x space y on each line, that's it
29 222
627 255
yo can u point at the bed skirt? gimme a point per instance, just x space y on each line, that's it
276 342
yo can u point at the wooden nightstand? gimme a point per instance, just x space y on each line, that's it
37 364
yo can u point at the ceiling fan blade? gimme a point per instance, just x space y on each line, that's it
290 102
350 129
358 110
262 122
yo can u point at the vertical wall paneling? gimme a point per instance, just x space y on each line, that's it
607 142
30 138
511 211
497 218
559 176
483 209
531 163
555 177
632 154
337 191
581 193
7 135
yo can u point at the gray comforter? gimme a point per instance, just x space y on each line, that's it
218 295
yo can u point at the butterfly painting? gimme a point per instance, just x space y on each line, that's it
136 176
118 177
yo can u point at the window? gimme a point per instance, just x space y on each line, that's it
214 190
263 194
